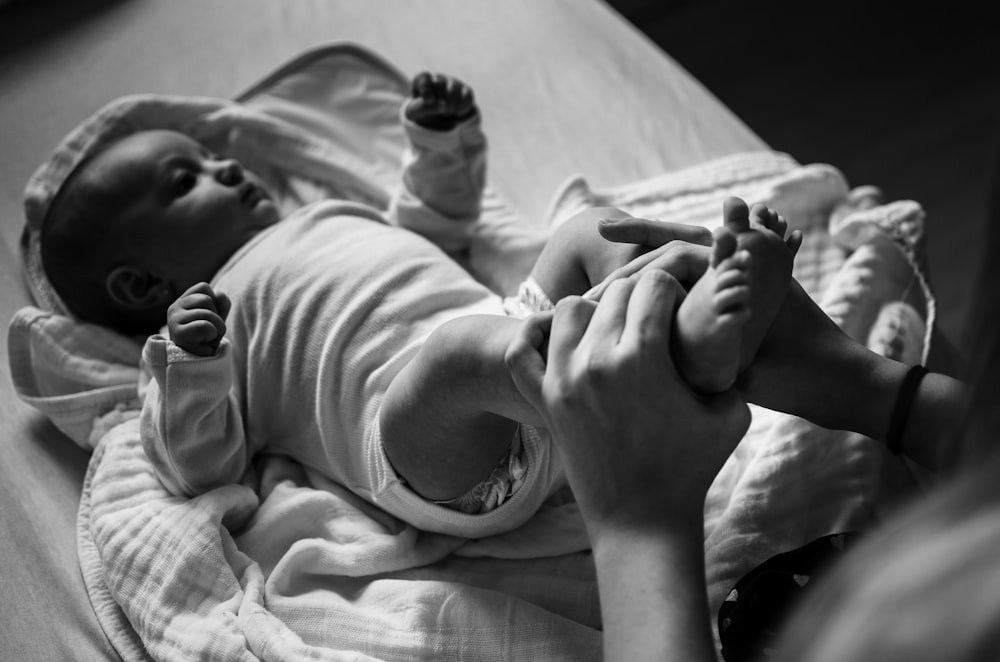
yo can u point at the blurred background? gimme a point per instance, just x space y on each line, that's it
869 88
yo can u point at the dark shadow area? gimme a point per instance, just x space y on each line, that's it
70 459
907 100
30 23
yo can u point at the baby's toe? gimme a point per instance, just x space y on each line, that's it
739 260
732 300
765 216
760 214
723 244
780 225
736 215
730 278
794 241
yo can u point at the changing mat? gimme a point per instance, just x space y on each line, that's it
290 566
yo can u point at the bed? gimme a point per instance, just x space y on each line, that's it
555 80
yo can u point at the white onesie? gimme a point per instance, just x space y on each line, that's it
327 307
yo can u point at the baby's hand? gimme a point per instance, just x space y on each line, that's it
197 320
440 102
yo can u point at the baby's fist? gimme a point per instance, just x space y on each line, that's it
196 321
439 102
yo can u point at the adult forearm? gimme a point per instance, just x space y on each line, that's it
839 384
653 597
930 433
808 366
865 398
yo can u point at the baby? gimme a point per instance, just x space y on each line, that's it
357 347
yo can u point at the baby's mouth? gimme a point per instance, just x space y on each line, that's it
251 194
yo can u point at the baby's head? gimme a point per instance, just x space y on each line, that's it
140 221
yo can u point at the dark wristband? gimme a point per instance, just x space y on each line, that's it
901 412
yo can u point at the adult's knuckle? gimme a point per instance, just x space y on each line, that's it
560 395
571 305
597 369
512 355
567 303
618 285
658 278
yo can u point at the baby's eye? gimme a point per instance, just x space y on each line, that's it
183 182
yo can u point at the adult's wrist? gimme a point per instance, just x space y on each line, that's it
869 411
930 433
934 410
654 526
653 596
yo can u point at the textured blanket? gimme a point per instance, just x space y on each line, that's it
290 566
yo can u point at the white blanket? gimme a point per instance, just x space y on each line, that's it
291 566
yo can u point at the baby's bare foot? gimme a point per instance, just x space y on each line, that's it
771 269
710 321
728 312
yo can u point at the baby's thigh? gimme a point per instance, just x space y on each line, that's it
576 256
600 257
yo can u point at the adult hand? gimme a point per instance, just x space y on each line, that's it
681 250
809 367
577 256
651 234
640 448
786 374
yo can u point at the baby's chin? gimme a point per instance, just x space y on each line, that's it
263 208
267 213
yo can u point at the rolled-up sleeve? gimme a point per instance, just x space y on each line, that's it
444 175
192 431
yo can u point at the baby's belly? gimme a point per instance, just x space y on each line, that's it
329 313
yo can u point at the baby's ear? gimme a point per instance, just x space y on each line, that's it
135 288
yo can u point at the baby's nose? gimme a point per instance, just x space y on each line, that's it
229 173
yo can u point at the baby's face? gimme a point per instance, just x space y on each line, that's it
191 209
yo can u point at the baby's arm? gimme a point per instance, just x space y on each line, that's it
444 167
191 426
449 417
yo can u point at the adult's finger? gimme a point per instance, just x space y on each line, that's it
608 321
572 316
525 358
645 232
684 261
650 314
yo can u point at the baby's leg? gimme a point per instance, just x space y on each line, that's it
449 417
728 312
